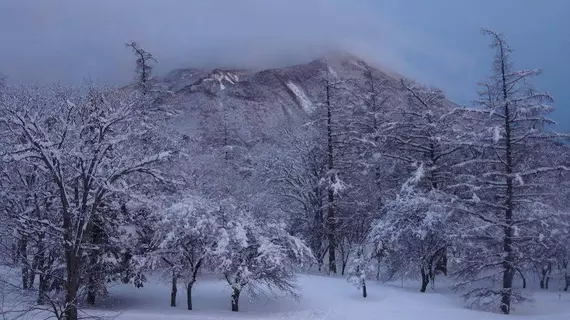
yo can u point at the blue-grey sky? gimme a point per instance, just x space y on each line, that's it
436 42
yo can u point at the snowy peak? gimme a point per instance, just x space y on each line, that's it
211 82
223 78
264 99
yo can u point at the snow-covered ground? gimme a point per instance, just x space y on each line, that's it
321 298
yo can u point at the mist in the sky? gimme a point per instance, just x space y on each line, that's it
69 40
435 42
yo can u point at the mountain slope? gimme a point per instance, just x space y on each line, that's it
254 103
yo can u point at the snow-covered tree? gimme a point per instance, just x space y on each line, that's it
329 122
426 133
372 114
415 230
30 216
426 138
185 239
370 177
359 269
86 141
253 255
504 198
296 172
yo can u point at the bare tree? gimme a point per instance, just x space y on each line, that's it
144 65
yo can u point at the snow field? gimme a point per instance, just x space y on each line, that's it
321 297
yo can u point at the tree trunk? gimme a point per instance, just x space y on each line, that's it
92 278
173 291
441 265
191 283
508 267
344 250
545 276
91 295
364 294
40 260
23 252
321 258
318 232
508 272
125 266
15 253
32 274
235 300
72 254
189 295
566 276
71 289
523 278
425 280
96 278
41 266
378 272
42 288
331 233
331 219
378 260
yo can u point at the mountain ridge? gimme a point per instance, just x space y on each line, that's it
255 103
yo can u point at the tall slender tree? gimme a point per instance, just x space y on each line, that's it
331 124
505 201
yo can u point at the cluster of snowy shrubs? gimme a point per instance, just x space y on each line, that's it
195 236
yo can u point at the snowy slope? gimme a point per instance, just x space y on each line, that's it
321 298
261 99
301 97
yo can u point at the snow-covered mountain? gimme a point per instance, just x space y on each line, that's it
256 101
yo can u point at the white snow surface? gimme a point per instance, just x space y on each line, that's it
222 76
322 297
496 134
301 97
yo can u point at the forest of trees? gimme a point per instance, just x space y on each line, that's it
383 181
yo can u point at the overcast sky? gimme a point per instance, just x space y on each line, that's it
436 42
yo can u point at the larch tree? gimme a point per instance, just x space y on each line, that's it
505 203
377 101
424 138
329 121
374 179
